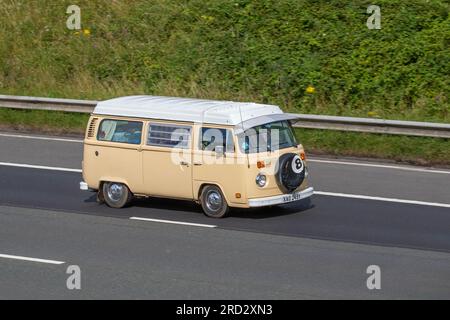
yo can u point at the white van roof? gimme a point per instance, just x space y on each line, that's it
185 109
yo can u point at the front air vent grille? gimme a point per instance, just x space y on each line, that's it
91 130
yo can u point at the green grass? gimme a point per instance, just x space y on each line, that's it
244 50
415 150
43 121
262 51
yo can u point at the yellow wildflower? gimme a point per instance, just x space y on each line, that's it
310 89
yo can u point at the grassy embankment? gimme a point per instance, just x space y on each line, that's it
422 151
262 51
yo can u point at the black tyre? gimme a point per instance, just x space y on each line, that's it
290 172
213 202
116 195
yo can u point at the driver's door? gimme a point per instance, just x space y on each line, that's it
215 161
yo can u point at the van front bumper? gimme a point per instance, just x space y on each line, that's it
283 198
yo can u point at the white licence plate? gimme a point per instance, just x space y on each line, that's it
292 197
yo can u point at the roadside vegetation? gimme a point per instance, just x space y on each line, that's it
40 121
411 150
403 149
306 56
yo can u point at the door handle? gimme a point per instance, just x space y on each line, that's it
197 163
184 163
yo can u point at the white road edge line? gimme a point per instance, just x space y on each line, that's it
20 165
379 166
175 222
7 256
358 196
310 159
39 138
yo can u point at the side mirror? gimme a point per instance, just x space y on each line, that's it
219 151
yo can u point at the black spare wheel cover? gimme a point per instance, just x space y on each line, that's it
290 172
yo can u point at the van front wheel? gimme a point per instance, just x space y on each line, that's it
213 202
116 195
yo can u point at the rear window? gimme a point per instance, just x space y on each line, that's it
165 135
120 131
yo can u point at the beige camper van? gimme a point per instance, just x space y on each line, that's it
220 154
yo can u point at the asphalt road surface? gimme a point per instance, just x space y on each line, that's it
395 217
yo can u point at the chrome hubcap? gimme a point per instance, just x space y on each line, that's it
213 201
115 192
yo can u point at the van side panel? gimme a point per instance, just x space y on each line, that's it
164 175
167 170
110 161
107 163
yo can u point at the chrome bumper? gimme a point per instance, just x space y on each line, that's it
84 186
283 198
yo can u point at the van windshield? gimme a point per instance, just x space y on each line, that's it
267 137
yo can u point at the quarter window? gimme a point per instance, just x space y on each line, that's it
120 131
171 136
213 137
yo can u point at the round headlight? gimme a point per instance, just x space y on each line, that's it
261 180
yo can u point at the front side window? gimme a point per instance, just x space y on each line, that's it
169 135
210 138
120 131
267 137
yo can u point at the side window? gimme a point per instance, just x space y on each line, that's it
120 131
169 135
212 137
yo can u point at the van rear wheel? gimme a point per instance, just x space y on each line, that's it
116 195
213 202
